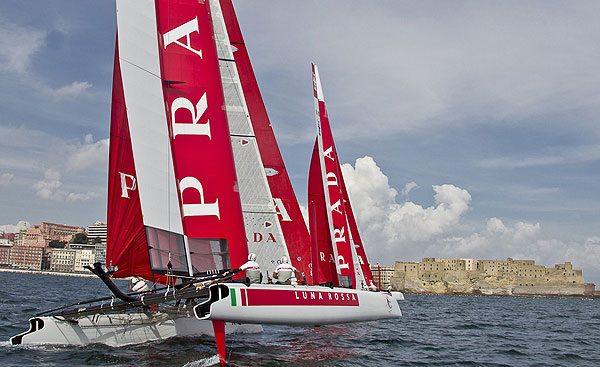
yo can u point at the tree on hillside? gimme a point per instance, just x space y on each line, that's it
79 238
95 240
57 244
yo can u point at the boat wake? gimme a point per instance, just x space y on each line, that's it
210 361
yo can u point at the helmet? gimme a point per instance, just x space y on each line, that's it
252 256
135 280
284 260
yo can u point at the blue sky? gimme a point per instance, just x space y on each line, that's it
474 123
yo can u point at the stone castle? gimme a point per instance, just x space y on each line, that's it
490 277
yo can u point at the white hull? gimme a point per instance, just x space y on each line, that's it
295 305
120 329
398 296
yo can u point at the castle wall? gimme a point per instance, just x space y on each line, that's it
501 277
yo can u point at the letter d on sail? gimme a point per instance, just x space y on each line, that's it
198 209
124 188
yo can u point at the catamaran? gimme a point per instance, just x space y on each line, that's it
196 181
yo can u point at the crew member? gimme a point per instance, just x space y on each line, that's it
389 288
252 269
285 273
138 285
372 287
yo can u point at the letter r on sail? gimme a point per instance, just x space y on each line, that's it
197 209
124 187
193 128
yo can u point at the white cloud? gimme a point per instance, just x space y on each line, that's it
18 45
389 222
408 187
14 228
73 90
408 231
88 154
50 189
6 179
82 196
587 153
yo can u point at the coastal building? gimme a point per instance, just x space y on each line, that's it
41 235
62 260
21 235
9 237
85 255
97 232
383 272
27 257
5 250
489 276
83 258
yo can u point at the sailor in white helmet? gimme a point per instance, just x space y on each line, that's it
372 287
285 273
252 269
138 285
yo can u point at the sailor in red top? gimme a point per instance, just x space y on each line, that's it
285 273
252 269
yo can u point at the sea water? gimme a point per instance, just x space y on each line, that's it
435 330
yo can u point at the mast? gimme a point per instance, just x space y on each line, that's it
286 206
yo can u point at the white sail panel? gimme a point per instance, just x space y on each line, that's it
142 85
263 231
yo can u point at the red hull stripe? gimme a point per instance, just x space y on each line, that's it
243 297
275 297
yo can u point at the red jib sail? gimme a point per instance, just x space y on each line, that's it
127 250
290 217
361 255
174 172
334 200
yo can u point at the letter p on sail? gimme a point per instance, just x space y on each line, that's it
124 188
197 209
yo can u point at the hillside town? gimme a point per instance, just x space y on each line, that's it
54 247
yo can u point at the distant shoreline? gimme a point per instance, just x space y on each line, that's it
45 272
477 294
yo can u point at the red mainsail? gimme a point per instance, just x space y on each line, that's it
327 271
202 153
334 201
173 201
